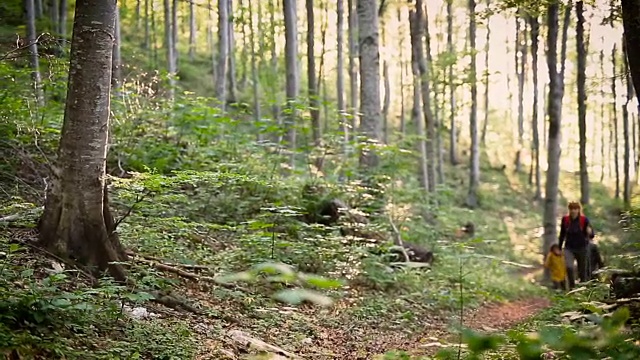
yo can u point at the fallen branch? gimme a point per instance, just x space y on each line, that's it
14 217
153 258
398 239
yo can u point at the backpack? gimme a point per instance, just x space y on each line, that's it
566 221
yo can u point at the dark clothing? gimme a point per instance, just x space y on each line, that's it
573 236
581 256
595 257
560 285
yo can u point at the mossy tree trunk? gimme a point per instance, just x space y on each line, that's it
76 222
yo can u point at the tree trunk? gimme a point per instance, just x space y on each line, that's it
54 11
603 121
255 80
33 52
474 166
416 112
353 55
76 222
614 135
369 51
453 140
314 104
243 54
147 39
233 84
154 49
626 187
169 46
291 64
485 124
554 112
174 34
535 30
116 63
192 31
521 70
386 103
275 108
402 85
223 52
62 26
631 23
344 127
582 103
38 8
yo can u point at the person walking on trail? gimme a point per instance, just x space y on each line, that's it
575 234
555 262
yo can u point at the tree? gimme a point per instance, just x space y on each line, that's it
416 111
534 177
614 124
77 222
369 51
232 82
486 79
255 82
33 51
223 51
116 63
474 167
353 54
521 70
168 34
453 141
626 185
62 25
339 69
291 65
582 103
192 31
631 24
314 104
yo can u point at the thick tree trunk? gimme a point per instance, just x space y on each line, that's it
312 86
453 140
291 64
369 51
76 222
223 52
416 112
192 31
582 103
33 52
554 112
344 127
474 163
626 187
535 30
631 23
116 64
353 55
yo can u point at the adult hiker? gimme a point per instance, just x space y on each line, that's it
575 233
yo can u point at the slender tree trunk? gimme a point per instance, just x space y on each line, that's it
223 52
474 171
521 47
275 108
485 124
154 49
416 112
314 105
386 103
147 39
603 121
453 140
138 17
291 62
33 52
344 127
62 25
615 136
582 103
116 62
554 111
255 80
535 30
402 84
76 222
369 51
626 187
232 82
39 9
243 54
170 48
174 34
54 10
192 31
353 55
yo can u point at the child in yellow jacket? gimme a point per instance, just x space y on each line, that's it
557 267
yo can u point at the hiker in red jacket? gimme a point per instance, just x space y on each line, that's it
576 232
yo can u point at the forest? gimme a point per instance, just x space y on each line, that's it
347 179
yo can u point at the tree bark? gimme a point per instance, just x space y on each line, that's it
614 93
453 140
192 31
416 112
344 127
116 63
626 187
33 52
369 51
474 166
232 82
521 65
487 48
255 80
291 64
314 104
631 24
223 52
603 121
168 33
174 34
535 30
76 222
582 103
62 26
54 11
353 55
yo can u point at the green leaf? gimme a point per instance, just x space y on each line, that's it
320 282
235 277
297 296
